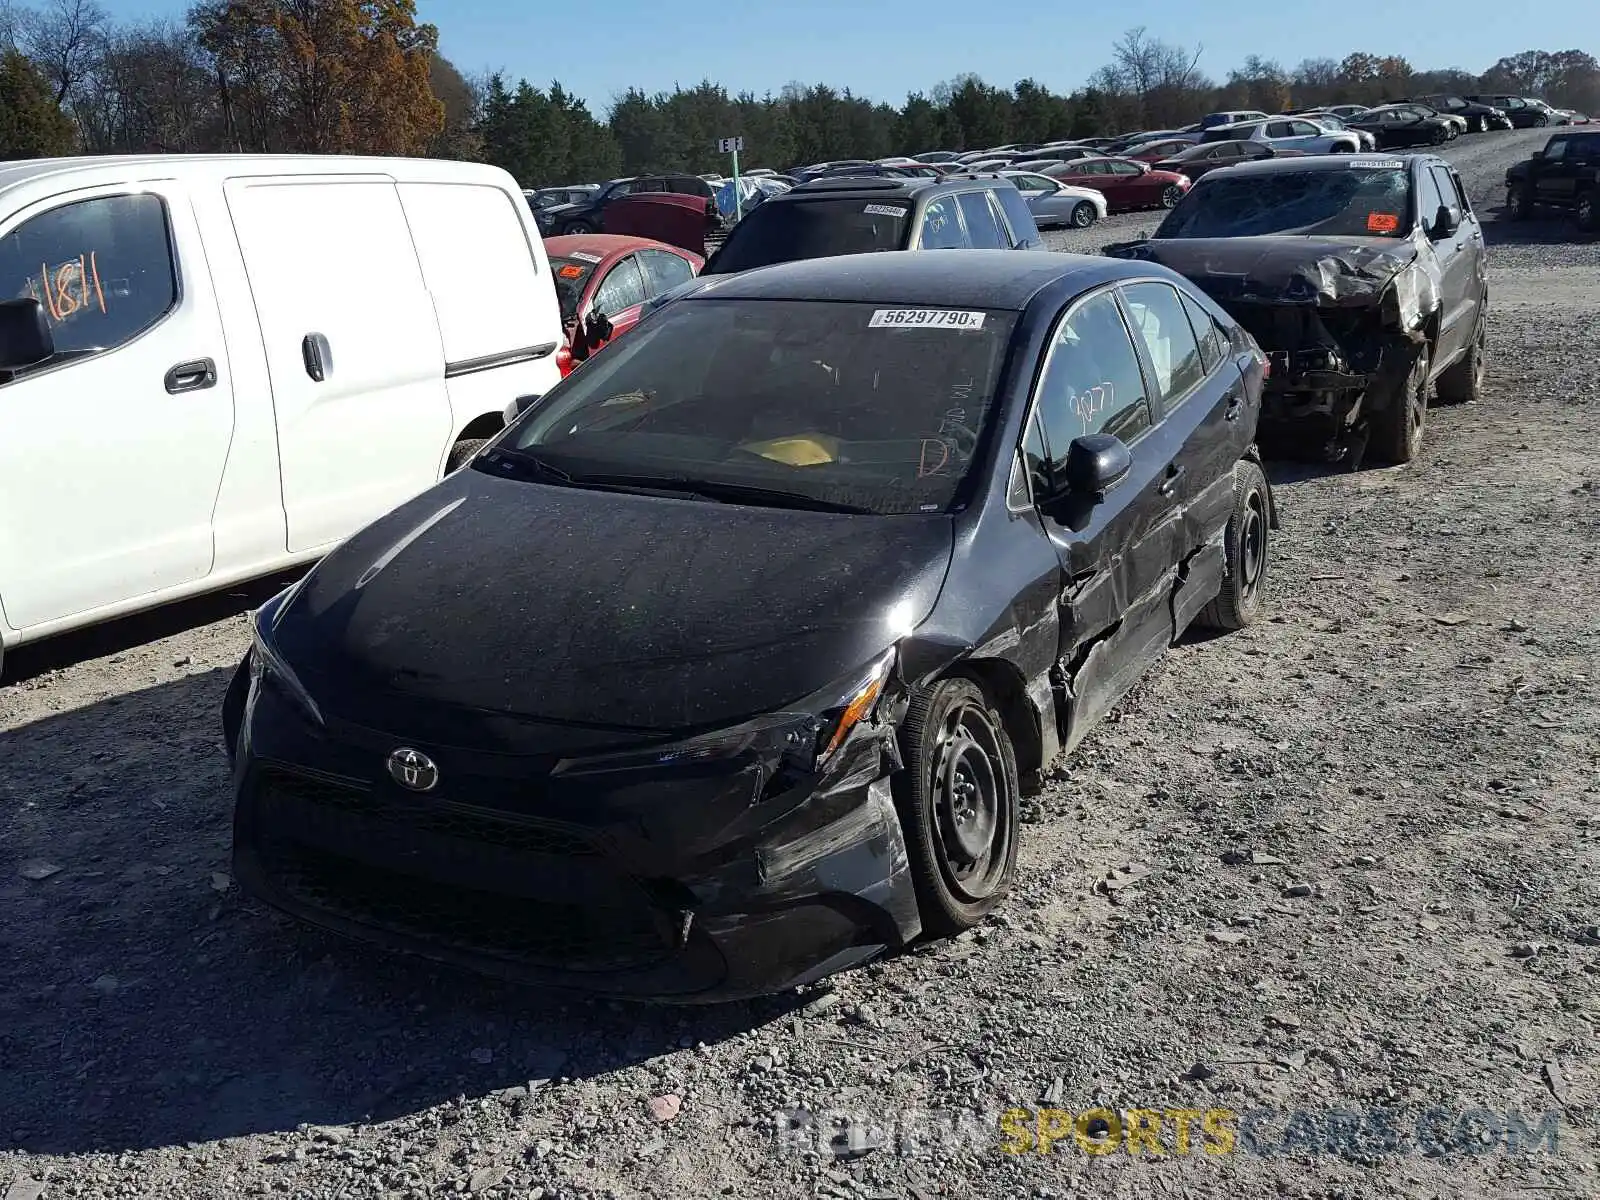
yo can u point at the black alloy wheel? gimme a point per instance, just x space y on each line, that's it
958 801
1397 430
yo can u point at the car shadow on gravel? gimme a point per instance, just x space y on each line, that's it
147 1004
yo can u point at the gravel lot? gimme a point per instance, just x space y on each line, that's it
1345 860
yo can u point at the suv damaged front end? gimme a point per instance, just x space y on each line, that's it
1340 320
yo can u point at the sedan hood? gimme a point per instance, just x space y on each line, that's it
606 610
1280 269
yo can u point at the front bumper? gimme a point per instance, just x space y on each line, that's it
695 889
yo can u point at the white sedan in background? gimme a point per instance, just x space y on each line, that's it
1054 203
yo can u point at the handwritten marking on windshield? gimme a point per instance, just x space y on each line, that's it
59 298
1092 402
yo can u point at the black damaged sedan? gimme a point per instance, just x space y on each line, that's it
721 668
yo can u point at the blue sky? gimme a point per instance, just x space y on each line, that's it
884 48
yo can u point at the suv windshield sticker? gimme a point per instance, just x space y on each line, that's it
1380 164
884 210
1380 222
925 318
586 256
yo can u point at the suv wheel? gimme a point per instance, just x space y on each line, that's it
575 227
1519 202
1462 381
1397 429
1083 215
1588 213
1540 121
1171 195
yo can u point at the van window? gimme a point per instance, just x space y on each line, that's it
487 279
102 268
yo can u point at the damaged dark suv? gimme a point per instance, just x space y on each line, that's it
1363 277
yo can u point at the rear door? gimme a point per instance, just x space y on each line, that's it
1202 427
1117 555
352 344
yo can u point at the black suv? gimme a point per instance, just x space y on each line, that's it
1480 118
1564 175
584 215
858 215
1364 277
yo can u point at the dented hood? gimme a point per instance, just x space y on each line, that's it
1283 269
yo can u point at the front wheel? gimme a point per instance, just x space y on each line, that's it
1084 215
1588 213
1541 121
958 804
577 227
1397 429
462 452
1171 195
1440 136
1240 601
1519 202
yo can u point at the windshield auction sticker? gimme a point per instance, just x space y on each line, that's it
1381 222
1381 164
925 318
884 210
585 256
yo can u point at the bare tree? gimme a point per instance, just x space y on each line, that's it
64 40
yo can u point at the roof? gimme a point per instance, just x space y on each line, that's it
989 279
862 186
1299 165
607 245
166 166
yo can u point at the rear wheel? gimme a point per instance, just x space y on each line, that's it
1171 195
1397 429
1083 215
1519 202
958 799
1440 135
575 227
1239 602
1588 213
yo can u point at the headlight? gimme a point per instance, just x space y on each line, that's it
269 663
808 736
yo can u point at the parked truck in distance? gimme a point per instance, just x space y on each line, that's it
1565 176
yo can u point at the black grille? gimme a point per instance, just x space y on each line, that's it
291 795
628 934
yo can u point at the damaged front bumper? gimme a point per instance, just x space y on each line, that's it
689 884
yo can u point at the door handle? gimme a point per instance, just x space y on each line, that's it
317 355
1170 483
1235 407
193 376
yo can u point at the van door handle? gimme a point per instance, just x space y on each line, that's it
1170 483
317 355
193 376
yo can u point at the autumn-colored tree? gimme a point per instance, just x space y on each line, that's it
32 124
323 76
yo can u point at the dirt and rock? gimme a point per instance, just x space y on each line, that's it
1343 862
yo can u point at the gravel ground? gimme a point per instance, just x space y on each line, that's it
1342 861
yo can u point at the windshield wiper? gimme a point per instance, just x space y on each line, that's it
521 458
725 493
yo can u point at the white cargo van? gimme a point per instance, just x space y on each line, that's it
216 366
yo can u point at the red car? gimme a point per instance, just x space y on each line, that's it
1125 183
610 275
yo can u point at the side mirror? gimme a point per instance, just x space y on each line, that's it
1445 222
25 338
597 327
519 406
1095 463
1537 154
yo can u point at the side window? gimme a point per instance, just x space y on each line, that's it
1304 129
1428 197
1092 382
1461 192
1123 168
1446 187
1555 149
103 269
941 226
1159 317
623 287
1206 332
1016 209
664 271
983 231
1280 129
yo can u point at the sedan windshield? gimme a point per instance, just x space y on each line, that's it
1358 201
792 230
864 407
571 276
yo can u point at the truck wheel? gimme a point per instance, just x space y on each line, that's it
958 804
1588 213
1462 381
1519 202
1239 602
462 452
1397 428
1083 215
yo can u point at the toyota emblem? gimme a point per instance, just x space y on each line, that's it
413 770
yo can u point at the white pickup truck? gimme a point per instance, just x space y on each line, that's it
213 367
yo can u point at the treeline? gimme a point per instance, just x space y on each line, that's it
342 76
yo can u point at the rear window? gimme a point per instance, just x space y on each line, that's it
1357 201
876 406
800 229
571 276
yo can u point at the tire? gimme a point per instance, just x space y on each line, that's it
462 452
1171 195
961 837
575 227
1588 213
1440 136
1248 547
1540 121
1462 381
1519 202
1397 430
1084 215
